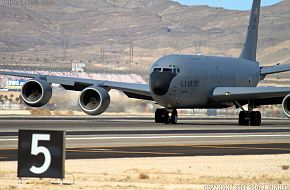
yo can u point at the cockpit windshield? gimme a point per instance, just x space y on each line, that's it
157 69
167 70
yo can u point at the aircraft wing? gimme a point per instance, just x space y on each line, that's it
132 90
259 95
274 69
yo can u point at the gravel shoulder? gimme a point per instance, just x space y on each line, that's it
268 171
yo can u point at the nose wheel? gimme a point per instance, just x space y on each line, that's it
165 116
252 118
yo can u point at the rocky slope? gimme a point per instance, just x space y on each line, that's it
65 30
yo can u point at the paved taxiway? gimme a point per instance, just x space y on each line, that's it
109 137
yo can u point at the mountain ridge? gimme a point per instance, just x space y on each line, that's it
78 29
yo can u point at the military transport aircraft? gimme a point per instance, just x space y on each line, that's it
180 82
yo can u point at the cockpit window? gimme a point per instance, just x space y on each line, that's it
157 69
167 70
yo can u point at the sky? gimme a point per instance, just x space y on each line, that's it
227 4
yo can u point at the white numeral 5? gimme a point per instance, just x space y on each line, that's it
35 150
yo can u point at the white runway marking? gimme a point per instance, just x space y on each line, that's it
165 137
175 136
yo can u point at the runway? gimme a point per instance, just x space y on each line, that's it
119 137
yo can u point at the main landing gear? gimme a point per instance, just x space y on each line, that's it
249 117
252 118
165 116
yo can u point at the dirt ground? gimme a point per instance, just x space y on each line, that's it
268 172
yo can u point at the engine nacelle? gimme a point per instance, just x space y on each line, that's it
94 100
286 105
36 92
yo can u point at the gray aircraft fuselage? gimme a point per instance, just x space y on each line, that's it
187 81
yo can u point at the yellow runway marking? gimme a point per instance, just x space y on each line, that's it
1 149
125 152
178 145
241 147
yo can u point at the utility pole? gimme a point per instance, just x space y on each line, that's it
131 52
102 55
198 48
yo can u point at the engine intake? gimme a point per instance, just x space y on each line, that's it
286 105
36 92
94 100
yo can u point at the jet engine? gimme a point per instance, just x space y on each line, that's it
94 100
36 92
286 105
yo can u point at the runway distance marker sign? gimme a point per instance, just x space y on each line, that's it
41 154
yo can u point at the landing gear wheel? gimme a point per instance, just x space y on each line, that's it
243 118
161 116
255 118
174 117
158 116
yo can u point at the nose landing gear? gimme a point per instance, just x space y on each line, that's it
165 116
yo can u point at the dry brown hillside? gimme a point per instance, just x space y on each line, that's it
55 33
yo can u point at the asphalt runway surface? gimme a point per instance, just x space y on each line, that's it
120 137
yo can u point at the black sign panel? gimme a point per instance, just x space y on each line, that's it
41 154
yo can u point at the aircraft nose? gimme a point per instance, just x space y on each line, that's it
160 82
